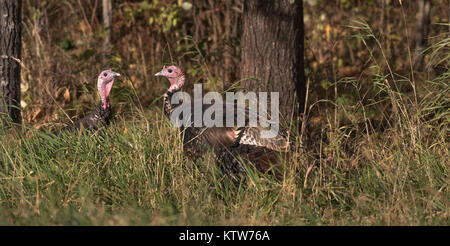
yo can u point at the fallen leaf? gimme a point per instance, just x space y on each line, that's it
315 121
327 32
37 127
23 104
67 96
36 114
348 71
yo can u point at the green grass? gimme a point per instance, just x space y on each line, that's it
135 173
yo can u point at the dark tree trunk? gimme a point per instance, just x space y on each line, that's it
107 25
423 28
10 55
272 51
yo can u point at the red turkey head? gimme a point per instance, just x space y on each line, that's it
104 83
174 75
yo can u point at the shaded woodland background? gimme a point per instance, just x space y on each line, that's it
63 42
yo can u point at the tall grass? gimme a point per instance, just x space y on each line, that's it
135 173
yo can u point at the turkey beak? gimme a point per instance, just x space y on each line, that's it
161 73
116 74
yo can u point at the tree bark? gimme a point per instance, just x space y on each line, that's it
272 51
423 28
107 25
10 55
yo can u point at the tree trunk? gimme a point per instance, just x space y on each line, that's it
423 28
272 51
107 25
10 55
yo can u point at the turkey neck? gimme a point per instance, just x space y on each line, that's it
175 85
168 107
101 113
101 91
100 108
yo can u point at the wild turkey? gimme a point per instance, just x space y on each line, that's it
102 114
229 143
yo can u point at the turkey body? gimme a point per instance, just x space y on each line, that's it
237 146
233 146
98 118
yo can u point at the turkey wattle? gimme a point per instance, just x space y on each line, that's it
229 143
102 114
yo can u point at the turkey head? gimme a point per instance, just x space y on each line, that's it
104 84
